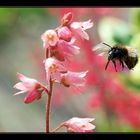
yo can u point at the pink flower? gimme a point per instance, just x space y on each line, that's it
67 18
31 86
54 67
79 124
64 33
49 38
80 27
64 49
76 79
67 48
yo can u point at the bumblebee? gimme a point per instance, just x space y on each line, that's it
122 53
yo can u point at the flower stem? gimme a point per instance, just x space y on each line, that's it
54 130
48 104
46 53
45 88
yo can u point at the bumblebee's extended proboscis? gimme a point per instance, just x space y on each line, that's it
122 53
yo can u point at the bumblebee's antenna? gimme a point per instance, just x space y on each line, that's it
107 45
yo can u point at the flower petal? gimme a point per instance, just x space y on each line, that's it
76 124
20 92
20 86
49 38
21 77
87 24
31 96
67 49
74 78
28 82
82 33
64 33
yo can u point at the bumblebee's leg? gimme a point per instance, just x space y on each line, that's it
114 62
122 64
107 64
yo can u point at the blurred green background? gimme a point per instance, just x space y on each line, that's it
21 51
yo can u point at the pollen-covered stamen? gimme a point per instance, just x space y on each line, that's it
50 37
83 126
53 68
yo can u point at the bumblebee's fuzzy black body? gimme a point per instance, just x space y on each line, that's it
131 62
120 52
125 55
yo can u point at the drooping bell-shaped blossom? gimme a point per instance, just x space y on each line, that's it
76 124
33 88
64 33
49 38
80 27
54 67
75 79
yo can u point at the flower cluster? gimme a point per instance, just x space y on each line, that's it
59 46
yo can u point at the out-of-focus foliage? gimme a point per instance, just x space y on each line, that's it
135 13
113 30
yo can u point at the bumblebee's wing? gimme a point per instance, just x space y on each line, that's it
132 52
102 49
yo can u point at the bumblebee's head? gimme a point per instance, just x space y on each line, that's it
113 53
117 53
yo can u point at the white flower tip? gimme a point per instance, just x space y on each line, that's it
87 24
90 22
19 75
18 93
84 73
91 119
14 86
94 48
15 94
93 126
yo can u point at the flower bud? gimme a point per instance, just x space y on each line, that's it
66 19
